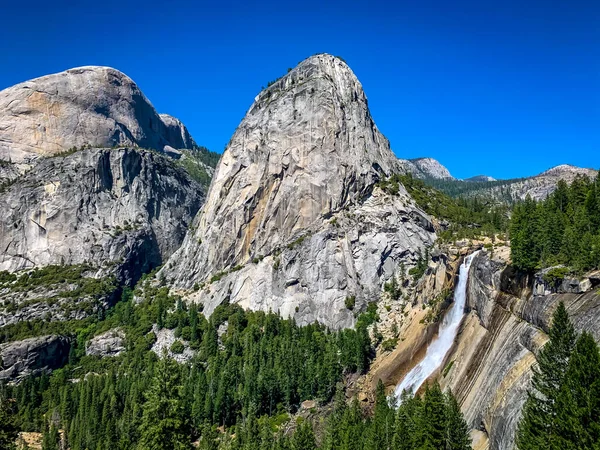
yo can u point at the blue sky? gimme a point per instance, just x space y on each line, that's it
507 88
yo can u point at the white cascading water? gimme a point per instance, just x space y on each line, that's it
439 347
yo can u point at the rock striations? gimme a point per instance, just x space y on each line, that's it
510 314
293 221
96 106
125 206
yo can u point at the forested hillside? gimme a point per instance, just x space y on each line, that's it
464 217
563 229
250 373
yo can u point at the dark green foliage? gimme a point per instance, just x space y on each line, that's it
177 347
563 409
8 427
578 405
422 263
563 229
74 283
164 426
389 344
350 302
304 438
51 438
393 288
555 275
470 189
261 363
194 162
434 422
208 157
457 430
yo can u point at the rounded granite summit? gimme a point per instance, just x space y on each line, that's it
91 105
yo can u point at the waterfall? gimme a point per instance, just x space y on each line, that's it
439 347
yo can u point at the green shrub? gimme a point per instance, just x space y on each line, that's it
389 344
177 347
350 302
447 368
555 276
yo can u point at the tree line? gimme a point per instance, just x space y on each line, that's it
562 229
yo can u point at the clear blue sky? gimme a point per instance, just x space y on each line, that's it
506 88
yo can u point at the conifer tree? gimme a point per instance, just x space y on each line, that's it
577 424
432 422
304 437
8 428
540 410
457 430
163 424
406 432
382 424
51 438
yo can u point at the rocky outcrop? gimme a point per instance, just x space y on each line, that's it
32 356
538 187
427 168
176 134
293 221
110 343
499 339
124 209
97 106
411 317
165 338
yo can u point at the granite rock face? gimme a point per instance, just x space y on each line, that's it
124 208
292 219
97 106
427 168
110 343
33 356
499 340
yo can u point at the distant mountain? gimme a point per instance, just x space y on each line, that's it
538 186
426 168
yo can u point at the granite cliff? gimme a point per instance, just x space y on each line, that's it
293 220
509 315
122 206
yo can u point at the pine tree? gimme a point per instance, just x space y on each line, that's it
51 438
406 430
540 409
432 422
578 405
8 428
304 437
163 424
457 430
382 424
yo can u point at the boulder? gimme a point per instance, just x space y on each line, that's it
110 343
